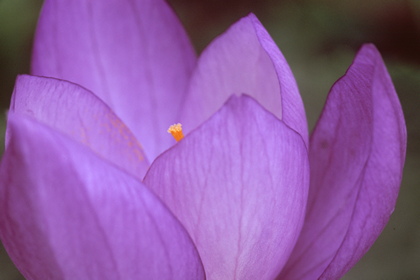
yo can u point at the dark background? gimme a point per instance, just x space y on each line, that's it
319 39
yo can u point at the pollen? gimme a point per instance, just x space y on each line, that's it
176 131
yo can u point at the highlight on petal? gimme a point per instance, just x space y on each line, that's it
78 113
133 54
66 214
357 153
244 59
238 183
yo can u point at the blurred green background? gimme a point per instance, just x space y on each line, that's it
319 40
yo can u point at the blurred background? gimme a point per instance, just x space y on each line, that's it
319 38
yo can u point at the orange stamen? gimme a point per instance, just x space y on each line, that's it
176 131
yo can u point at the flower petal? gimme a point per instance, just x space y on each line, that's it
238 183
134 55
78 113
66 214
357 153
245 59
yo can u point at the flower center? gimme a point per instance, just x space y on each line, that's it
176 131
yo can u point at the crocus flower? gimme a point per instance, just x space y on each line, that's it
244 195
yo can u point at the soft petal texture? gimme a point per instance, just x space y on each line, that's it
66 214
357 152
244 59
78 113
238 183
133 54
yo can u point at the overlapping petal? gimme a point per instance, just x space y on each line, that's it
66 214
238 183
244 59
78 113
357 154
133 54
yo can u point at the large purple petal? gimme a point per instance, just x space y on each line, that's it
133 54
238 183
244 59
357 153
67 214
78 113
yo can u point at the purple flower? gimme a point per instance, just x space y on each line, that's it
245 195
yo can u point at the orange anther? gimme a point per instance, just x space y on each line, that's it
176 131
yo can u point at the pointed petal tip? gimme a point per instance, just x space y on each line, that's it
370 46
368 53
252 17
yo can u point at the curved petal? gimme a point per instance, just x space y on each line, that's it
357 153
133 54
66 214
244 59
78 113
238 183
